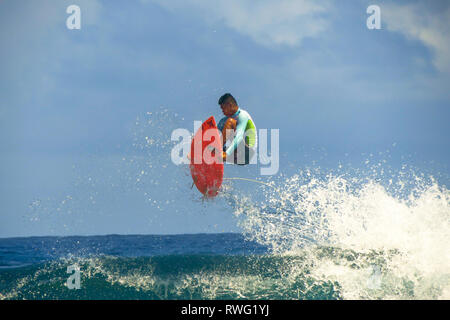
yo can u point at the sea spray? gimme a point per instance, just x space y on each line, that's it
397 231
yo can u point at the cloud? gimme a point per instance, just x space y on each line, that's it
267 22
420 22
34 37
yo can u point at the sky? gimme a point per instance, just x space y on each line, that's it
77 107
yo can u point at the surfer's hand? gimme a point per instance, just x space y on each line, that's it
188 156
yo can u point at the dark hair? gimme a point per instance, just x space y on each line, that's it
223 99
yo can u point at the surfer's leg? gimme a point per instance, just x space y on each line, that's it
228 127
248 155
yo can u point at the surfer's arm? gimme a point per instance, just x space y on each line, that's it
221 124
239 134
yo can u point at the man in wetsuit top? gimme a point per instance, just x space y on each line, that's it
238 132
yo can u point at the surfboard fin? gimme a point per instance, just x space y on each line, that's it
193 182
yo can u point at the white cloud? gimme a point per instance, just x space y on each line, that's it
267 22
417 21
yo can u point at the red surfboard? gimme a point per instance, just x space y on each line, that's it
206 159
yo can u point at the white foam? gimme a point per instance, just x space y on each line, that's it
401 230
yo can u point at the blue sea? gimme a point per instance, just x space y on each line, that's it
190 266
200 266
371 232
309 236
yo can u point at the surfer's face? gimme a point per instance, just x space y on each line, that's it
228 108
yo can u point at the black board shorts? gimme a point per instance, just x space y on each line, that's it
244 160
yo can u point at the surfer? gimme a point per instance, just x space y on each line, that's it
238 131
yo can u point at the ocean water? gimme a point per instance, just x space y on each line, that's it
364 232
309 236
306 236
191 266
198 266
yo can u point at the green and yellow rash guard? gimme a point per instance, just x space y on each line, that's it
244 128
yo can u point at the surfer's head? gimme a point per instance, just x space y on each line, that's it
228 104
